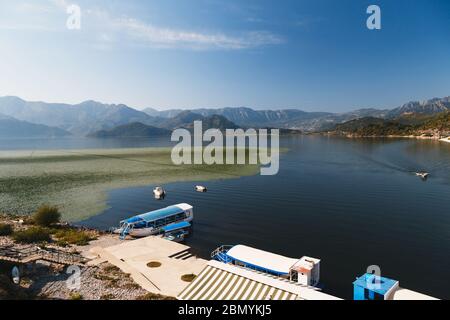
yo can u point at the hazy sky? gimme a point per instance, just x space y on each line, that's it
307 54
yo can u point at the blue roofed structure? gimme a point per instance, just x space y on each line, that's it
373 287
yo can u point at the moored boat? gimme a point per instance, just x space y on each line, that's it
154 222
159 193
201 189
422 174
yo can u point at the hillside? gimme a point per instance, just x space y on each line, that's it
131 130
373 127
215 122
415 124
440 122
181 120
13 128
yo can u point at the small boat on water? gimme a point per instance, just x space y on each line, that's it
159 193
176 232
423 175
201 189
155 222
179 236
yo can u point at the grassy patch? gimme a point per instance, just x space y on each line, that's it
75 296
77 181
72 236
32 235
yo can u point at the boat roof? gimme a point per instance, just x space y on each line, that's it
218 280
161 213
176 226
263 259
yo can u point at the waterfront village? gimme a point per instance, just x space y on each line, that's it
145 259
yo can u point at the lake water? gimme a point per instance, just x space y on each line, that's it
351 203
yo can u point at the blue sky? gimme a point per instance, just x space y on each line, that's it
316 55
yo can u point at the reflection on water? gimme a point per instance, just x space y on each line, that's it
352 203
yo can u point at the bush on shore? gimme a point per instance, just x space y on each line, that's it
46 216
76 296
5 229
32 235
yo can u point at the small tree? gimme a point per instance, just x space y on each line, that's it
46 216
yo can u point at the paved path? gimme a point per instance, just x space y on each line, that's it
133 256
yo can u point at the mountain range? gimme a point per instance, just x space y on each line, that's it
91 117
79 119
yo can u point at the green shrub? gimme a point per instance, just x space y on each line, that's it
5 229
71 236
32 235
75 296
46 216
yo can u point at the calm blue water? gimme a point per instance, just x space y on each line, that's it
351 203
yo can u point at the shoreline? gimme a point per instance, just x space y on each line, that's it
41 279
351 136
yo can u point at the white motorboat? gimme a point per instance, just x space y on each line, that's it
201 189
159 193
423 175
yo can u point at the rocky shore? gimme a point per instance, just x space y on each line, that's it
46 280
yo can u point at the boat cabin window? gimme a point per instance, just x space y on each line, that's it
167 220
159 223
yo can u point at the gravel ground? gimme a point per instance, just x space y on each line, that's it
104 282
44 280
